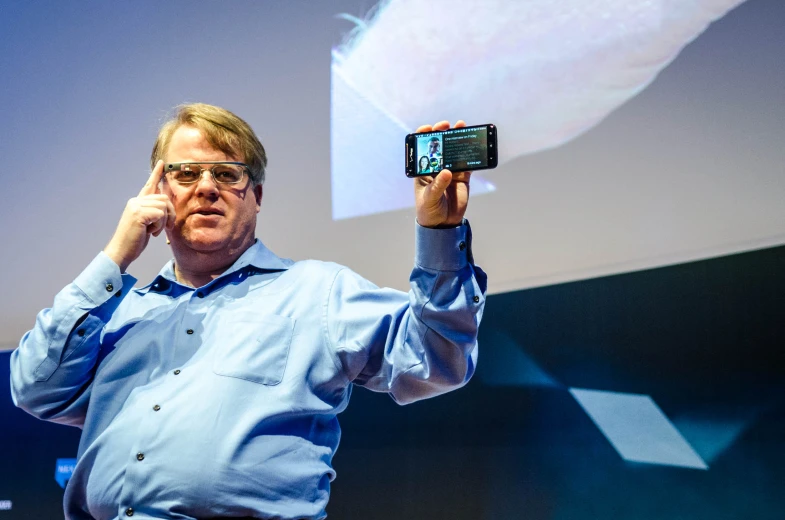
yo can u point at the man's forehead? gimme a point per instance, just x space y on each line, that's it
189 143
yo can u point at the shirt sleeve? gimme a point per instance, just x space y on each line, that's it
414 345
52 369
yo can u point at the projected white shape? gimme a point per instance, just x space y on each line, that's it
367 156
544 72
637 428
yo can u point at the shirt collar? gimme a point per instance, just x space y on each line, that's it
257 256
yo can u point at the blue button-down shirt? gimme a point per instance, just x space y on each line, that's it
222 400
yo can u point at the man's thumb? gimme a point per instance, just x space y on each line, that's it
440 184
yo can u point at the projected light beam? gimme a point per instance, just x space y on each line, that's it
637 428
508 364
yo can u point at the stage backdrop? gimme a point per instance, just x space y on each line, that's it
634 134
641 396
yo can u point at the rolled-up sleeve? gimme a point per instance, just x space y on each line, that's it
414 345
52 369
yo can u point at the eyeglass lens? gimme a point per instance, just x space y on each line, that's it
222 173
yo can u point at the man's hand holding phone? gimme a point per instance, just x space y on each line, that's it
146 214
440 200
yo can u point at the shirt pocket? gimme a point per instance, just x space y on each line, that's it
256 349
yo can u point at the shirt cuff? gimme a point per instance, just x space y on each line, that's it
102 279
443 249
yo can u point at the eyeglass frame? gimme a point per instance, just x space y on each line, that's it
173 167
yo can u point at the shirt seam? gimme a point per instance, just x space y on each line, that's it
444 269
430 298
333 350
80 342
427 328
66 319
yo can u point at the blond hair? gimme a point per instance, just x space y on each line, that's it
222 129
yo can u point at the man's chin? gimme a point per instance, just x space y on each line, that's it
206 242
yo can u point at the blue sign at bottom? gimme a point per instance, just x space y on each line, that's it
64 468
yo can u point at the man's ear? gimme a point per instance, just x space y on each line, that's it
257 191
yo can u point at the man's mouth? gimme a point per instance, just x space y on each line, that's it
207 212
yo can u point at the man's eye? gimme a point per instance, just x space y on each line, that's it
228 175
185 175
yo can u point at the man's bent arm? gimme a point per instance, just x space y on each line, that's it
417 345
52 370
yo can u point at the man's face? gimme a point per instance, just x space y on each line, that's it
209 217
434 147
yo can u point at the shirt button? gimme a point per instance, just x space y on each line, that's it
140 456
189 331
118 293
110 288
200 294
176 372
476 299
156 408
129 511
80 333
462 246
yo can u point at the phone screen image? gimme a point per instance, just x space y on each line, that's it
457 150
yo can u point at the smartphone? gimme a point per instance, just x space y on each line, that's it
460 149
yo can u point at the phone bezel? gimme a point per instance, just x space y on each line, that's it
492 156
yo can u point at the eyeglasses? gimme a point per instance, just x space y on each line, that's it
223 172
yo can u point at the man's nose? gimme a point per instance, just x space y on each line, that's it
206 183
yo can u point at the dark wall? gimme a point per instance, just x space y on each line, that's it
704 341
31 449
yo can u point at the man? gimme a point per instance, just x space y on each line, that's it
434 147
435 154
213 391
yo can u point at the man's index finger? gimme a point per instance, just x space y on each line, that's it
151 186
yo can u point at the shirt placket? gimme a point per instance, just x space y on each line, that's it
153 419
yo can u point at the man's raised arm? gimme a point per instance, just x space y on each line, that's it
423 343
52 370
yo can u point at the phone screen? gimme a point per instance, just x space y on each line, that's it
457 150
